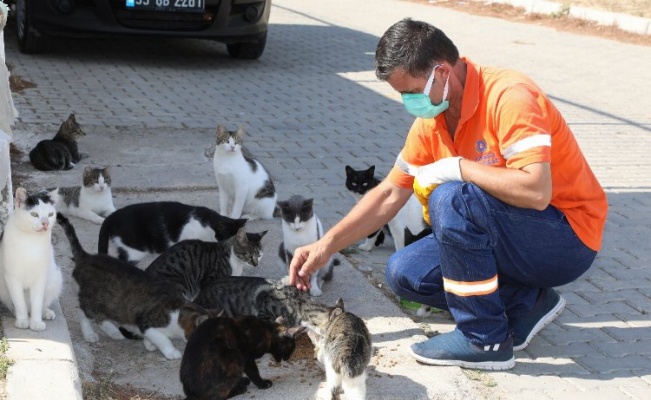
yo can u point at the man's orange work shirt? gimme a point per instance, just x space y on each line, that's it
507 121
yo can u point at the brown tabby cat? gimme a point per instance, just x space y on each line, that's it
60 152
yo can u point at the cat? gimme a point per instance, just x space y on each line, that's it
359 182
245 187
410 215
60 152
301 227
265 298
92 200
143 229
112 292
193 264
343 346
221 349
30 280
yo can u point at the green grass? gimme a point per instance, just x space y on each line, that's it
5 362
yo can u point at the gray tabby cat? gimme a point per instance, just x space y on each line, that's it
265 298
112 292
193 264
343 347
61 151
92 200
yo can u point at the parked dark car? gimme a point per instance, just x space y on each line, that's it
240 24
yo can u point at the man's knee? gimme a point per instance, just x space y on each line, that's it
394 272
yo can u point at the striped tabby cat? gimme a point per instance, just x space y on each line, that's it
192 264
265 298
343 347
92 200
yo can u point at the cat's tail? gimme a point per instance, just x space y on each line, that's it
75 246
103 241
328 276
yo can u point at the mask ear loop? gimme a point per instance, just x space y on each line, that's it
445 89
430 81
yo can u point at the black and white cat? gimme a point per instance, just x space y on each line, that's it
139 230
92 200
221 350
245 187
60 152
112 292
264 298
342 344
30 279
359 182
194 264
301 227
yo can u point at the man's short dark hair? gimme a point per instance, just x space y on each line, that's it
413 46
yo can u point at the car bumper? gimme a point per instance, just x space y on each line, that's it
224 20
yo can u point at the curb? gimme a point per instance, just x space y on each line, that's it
629 23
49 353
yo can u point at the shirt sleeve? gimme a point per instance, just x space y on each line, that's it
416 151
523 126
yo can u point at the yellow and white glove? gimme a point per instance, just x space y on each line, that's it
429 176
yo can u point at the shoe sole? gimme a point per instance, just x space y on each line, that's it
485 365
544 321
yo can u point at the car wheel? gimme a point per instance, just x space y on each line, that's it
29 41
247 50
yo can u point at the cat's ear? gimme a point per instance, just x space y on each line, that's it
241 236
54 195
337 311
294 332
72 118
261 234
280 320
308 202
371 170
221 132
201 319
88 170
349 170
107 169
240 132
20 198
340 303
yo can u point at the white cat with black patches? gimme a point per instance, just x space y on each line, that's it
30 279
245 187
301 227
92 200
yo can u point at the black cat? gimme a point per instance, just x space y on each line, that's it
220 350
60 152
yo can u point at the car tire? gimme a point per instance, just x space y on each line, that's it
29 41
247 50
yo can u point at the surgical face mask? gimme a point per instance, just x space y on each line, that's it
419 104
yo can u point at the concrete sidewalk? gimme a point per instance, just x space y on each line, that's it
310 106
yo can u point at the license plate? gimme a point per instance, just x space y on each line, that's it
167 5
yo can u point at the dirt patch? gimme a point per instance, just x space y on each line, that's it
16 82
560 21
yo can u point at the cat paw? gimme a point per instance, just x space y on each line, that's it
149 345
365 246
37 326
98 220
49 314
22 323
82 156
91 337
172 354
263 384
315 292
245 381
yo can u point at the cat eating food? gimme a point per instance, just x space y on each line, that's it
60 152
245 187
359 182
112 292
30 280
194 264
301 227
92 200
143 229
343 346
221 349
